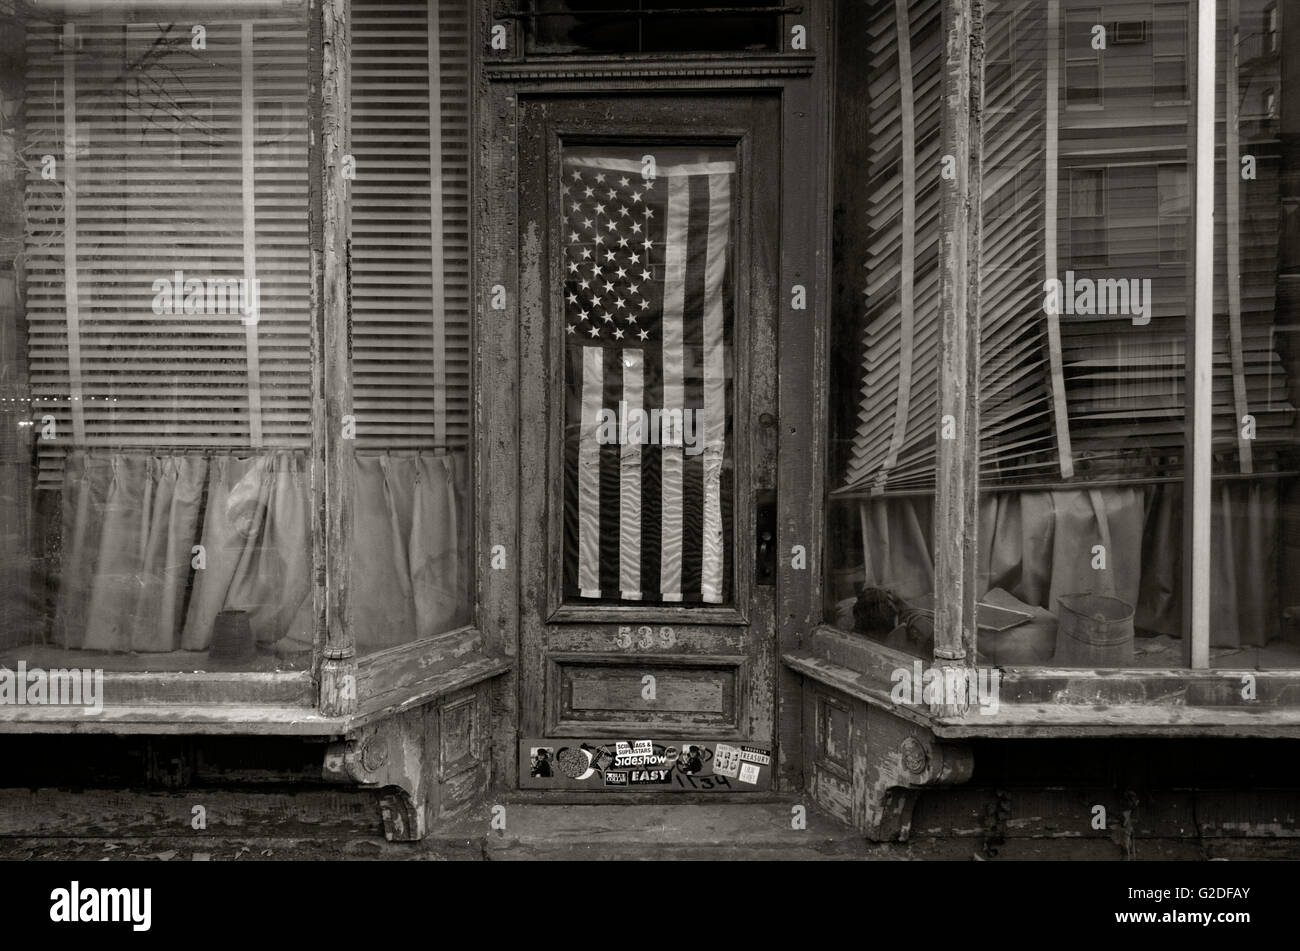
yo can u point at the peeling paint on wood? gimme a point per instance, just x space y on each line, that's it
329 98
954 611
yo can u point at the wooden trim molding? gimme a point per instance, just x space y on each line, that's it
571 70
958 440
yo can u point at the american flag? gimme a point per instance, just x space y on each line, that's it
648 305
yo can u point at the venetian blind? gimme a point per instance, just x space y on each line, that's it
894 446
1093 193
410 223
152 161
1017 438
895 440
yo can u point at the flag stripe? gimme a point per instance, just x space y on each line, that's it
651 493
715 385
593 380
629 503
678 213
693 389
609 474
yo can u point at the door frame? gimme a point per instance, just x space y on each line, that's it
803 79
730 646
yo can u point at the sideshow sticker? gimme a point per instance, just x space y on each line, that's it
726 760
658 765
650 758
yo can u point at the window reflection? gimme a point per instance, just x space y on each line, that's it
155 496
1255 572
1085 306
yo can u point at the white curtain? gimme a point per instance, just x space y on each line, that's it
1041 545
132 578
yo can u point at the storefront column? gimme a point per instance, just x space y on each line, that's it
956 505
329 99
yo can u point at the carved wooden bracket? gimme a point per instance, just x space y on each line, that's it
901 758
399 755
429 762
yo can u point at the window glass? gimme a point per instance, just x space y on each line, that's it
412 514
649 308
1255 494
154 337
1084 301
1083 60
1088 231
648 26
1169 49
884 351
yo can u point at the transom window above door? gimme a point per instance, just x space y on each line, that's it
649 26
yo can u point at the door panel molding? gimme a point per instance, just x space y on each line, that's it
696 694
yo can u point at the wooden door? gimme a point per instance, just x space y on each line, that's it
648 241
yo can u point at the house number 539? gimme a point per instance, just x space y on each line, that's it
644 637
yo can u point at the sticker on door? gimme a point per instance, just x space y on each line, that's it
644 765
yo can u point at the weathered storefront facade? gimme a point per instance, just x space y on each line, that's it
480 407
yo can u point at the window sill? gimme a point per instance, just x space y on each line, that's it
1028 721
216 718
1056 702
388 683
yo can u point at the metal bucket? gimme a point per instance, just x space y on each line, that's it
232 640
1093 630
